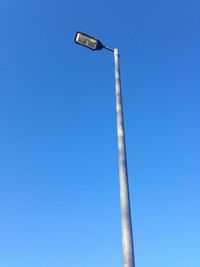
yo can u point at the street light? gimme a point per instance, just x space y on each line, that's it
126 225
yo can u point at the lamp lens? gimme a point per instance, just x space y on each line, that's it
86 41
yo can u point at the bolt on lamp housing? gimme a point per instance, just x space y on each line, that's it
88 41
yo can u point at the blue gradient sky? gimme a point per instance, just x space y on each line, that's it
59 190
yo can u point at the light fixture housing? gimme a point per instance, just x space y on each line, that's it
88 41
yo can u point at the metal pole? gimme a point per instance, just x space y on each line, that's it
127 238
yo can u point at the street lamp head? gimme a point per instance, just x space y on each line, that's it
88 41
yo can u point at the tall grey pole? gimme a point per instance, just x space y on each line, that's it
126 225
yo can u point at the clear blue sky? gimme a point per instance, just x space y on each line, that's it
59 189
